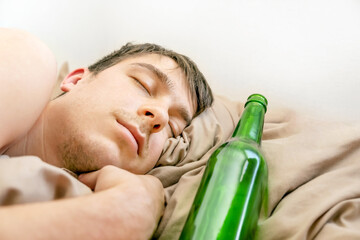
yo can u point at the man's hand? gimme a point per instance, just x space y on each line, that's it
143 195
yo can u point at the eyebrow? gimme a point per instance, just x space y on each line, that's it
169 84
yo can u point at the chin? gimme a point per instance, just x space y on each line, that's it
85 156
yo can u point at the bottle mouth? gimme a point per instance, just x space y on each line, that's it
257 98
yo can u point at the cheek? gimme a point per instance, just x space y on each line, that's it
156 146
116 94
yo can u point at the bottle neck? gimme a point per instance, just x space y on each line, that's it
251 123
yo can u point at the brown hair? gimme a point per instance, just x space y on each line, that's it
199 88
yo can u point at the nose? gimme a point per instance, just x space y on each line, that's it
156 117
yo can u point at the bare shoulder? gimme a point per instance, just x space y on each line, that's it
27 76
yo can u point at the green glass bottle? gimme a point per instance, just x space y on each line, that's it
234 185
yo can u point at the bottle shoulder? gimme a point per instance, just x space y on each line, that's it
243 143
237 147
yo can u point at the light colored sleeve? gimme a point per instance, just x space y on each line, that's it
28 179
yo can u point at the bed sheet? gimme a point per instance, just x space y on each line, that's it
314 174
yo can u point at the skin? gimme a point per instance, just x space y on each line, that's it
113 124
121 117
35 74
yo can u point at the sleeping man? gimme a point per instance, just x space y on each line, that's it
109 128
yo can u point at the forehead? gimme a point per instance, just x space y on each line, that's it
163 63
172 71
156 59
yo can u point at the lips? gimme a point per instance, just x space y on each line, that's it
135 134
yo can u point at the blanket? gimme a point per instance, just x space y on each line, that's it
313 164
314 173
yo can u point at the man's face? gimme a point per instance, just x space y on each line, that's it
124 114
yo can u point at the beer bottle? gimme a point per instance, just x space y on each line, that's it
234 185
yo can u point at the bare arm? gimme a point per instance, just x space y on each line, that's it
27 76
124 206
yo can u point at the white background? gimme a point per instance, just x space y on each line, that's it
304 54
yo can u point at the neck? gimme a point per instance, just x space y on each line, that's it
35 143
251 123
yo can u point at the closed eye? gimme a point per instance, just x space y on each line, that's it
141 85
172 131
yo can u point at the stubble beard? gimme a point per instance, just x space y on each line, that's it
80 156
142 127
75 158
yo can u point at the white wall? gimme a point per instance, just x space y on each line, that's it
303 53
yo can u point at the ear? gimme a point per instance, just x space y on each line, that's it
72 79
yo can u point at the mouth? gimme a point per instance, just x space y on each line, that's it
136 137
